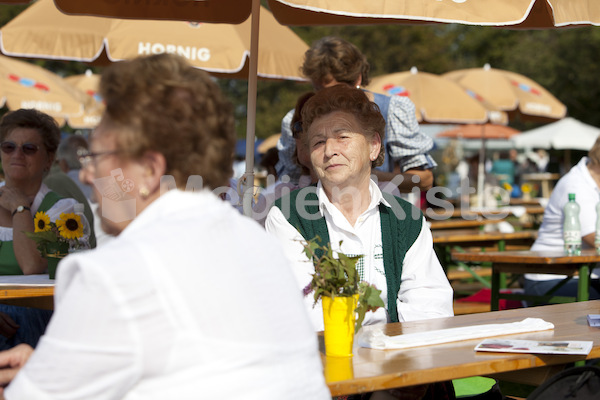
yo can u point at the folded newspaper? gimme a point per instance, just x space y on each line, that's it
373 336
535 347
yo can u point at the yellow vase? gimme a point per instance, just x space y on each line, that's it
339 319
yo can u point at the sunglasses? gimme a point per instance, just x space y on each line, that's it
28 149
297 129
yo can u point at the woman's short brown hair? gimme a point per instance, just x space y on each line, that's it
46 126
161 103
352 101
332 57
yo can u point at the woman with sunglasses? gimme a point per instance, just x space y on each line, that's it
28 142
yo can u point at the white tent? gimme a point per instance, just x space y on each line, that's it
568 133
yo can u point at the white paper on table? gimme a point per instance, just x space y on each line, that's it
27 280
373 336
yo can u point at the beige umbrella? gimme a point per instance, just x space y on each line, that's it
515 14
94 106
510 92
42 31
437 100
487 131
25 85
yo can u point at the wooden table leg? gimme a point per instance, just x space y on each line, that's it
583 286
495 295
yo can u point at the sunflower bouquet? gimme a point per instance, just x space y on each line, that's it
57 239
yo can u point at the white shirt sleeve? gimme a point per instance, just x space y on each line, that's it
291 240
425 291
95 362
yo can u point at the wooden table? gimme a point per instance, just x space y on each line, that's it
535 262
459 239
545 179
474 213
371 370
14 290
455 223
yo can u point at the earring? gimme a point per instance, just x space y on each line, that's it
358 86
144 193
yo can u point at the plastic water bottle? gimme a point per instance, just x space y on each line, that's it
572 227
597 240
84 242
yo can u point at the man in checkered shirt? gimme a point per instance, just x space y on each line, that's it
331 61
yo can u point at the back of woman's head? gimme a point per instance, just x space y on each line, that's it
334 58
161 103
351 101
45 125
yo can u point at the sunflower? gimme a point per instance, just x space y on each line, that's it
69 226
41 222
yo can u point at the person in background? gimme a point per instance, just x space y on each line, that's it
331 61
583 180
28 142
67 156
63 178
342 131
156 330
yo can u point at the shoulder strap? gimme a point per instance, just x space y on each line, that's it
49 200
400 227
383 102
301 208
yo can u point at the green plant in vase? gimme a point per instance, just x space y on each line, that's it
338 278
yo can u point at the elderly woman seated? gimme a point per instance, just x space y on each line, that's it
343 132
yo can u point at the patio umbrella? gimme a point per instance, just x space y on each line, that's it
515 14
42 31
437 100
93 108
509 91
226 11
25 85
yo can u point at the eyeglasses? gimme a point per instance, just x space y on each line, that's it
28 149
297 129
86 157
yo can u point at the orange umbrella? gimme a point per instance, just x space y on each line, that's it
486 131
437 100
25 85
94 106
515 14
42 31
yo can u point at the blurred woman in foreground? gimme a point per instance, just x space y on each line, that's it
191 296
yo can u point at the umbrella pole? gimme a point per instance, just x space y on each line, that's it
248 178
481 169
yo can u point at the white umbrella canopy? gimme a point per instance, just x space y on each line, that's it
566 134
512 14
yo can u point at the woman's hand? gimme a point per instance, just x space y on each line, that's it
8 327
11 362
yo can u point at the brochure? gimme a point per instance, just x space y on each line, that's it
536 347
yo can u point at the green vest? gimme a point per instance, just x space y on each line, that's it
399 230
8 260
